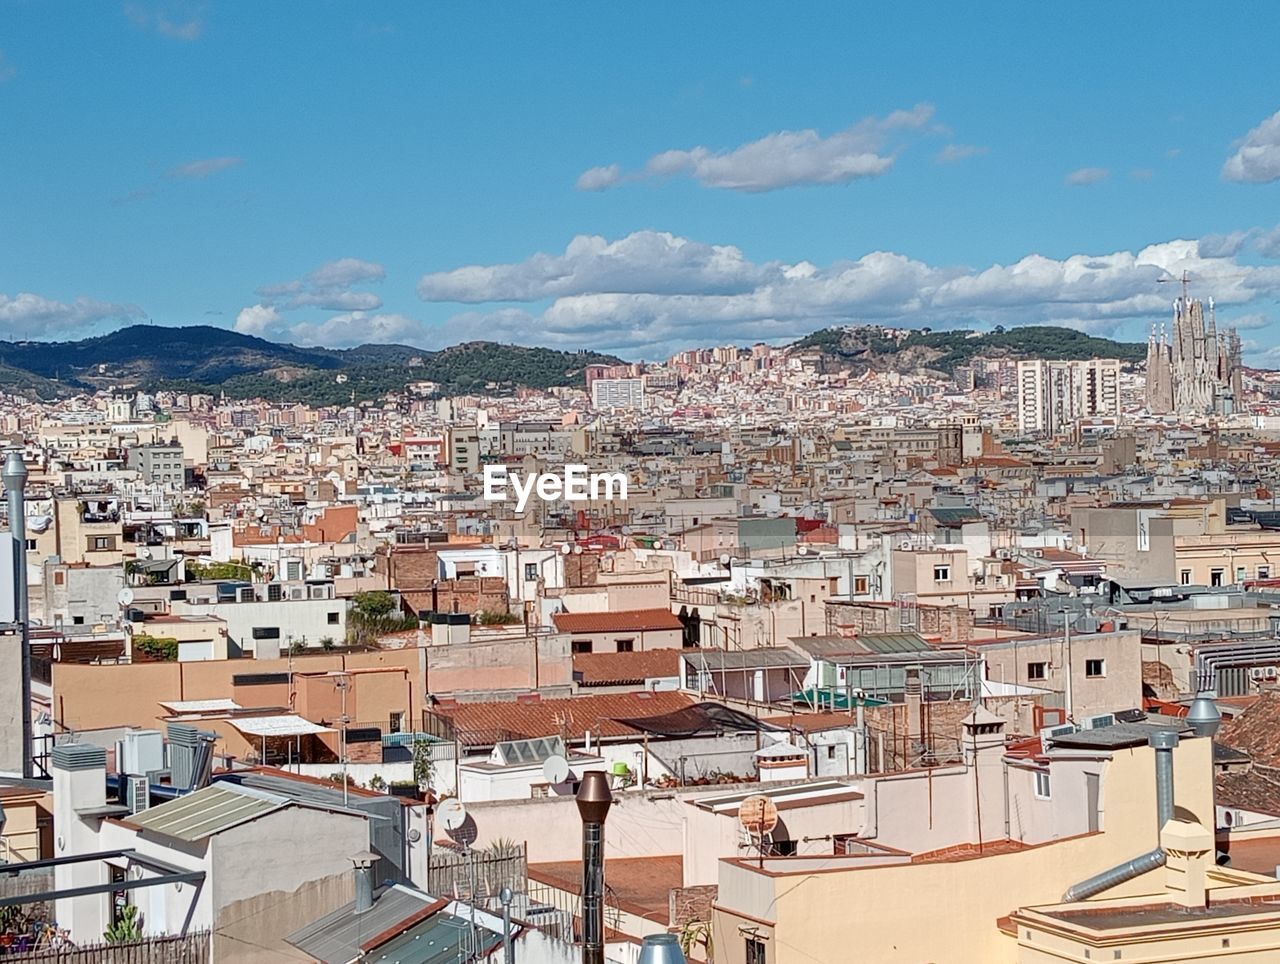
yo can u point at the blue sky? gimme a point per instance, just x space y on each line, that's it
633 178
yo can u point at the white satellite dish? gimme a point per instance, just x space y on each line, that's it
802 550
555 770
565 548
452 814
725 559
626 530
577 549
124 596
144 553
259 514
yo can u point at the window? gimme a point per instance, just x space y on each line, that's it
59 578
941 573
333 619
1095 668
1264 572
860 585
1215 576
831 752
1042 785
101 542
1240 574
1185 577
530 571
582 645
77 620
755 951
626 645
396 723
31 544
266 632
1037 670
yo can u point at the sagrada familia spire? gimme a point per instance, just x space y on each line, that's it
1197 371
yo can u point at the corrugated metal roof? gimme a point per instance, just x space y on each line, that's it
337 936
762 658
891 642
284 725
208 811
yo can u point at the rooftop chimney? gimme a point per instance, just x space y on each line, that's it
661 949
594 800
363 869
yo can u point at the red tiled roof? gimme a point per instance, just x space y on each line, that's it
483 723
640 885
627 620
602 669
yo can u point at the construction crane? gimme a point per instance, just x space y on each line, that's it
1185 280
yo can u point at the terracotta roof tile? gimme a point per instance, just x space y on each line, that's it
628 620
603 669
484 723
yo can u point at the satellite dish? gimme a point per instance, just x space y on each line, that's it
125 596
565 548
555 770
577 549
341 379
626 530
144 553
725 559
758 815
452 814
259 514
802 550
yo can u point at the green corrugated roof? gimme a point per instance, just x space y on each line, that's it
891 642
208 811
955 515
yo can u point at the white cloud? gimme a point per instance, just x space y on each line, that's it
28 315
345 272
257 320
648 294
1257 156
959 152
358 328
205 167
599 178
1222 245
328 287
784 158
646 261
178 21
1087 175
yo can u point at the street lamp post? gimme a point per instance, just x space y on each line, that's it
15 484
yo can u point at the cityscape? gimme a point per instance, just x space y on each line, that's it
631 557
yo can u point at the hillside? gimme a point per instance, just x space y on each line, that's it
942 351
215 360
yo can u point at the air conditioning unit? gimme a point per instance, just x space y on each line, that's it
1257 672
138 794
1098 722
298 592
1048 733
1270 672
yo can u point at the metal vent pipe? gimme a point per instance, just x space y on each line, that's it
1163 742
